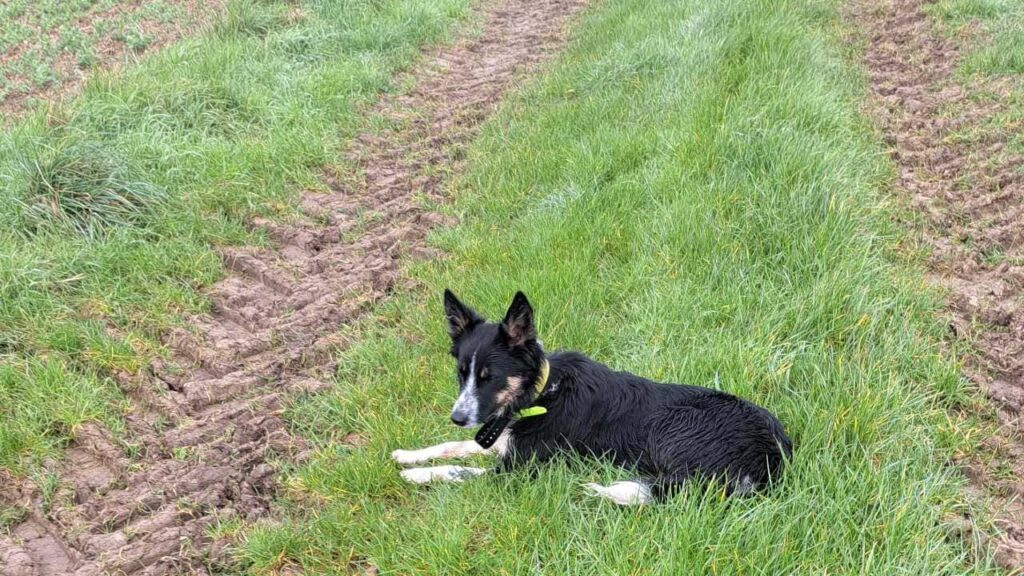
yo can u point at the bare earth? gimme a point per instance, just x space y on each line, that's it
971 194
209 421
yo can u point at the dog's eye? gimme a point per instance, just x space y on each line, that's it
463 369
484 373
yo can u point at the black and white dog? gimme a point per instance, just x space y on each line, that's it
533 406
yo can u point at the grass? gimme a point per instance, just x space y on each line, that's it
689 194
1000 22
86 189
111 205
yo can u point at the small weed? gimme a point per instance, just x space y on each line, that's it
48 483
225 528
135 39
11 515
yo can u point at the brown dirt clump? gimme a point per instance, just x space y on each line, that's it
208 420
970 192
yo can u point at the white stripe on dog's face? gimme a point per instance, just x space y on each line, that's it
467 406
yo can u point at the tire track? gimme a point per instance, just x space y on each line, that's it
206 423
956 173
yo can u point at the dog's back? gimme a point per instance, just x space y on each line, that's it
669 432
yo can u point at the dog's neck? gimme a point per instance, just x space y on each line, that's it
538 387
542 378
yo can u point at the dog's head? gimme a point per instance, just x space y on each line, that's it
496 364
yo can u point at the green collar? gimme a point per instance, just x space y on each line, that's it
542 381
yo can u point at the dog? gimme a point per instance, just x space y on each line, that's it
532 406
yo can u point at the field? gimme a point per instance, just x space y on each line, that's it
47 48
221 269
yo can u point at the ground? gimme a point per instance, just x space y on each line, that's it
220 285
954 140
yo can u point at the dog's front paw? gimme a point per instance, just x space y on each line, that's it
443 473
404 456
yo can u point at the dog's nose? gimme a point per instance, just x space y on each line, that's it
459 419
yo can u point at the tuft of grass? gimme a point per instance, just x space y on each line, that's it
252 18
86 187
690 194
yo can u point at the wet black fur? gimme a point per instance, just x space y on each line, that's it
668 432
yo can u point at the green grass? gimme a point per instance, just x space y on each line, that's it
689 194
87 189
43 400
111 206
1000 22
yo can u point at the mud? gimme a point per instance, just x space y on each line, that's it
954 170
207 422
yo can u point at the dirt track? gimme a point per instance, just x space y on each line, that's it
208 422
971 194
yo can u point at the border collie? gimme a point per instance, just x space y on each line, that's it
532 405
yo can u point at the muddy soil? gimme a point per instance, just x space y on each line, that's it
208 422
970 192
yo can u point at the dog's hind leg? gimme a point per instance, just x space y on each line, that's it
442 473
625 492
449 450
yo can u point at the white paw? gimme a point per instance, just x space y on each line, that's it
443 473
405 456
624 493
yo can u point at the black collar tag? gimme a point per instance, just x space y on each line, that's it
491 430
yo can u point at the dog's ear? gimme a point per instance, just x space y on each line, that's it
461 318
517 327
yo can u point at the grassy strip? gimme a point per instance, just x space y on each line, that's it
1001 22
690 194
109 207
